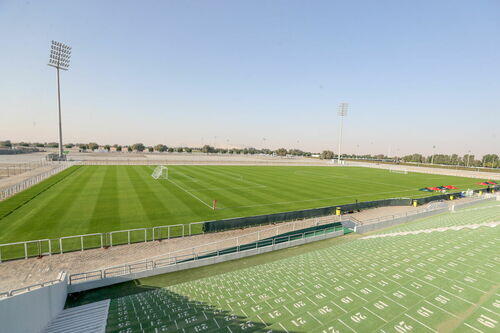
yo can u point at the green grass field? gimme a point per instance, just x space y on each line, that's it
90 199
444 281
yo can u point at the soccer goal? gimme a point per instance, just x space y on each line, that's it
160 172
405 172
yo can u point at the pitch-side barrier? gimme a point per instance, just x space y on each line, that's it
395 219
48 247
43 247
176 261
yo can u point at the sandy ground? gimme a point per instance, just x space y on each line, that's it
23 158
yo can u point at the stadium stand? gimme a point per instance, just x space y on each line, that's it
420 282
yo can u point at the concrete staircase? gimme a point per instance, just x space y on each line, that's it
90 318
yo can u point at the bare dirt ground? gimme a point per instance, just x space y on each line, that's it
191 158
21 273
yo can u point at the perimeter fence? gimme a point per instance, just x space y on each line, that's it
14 169
29 182
395 219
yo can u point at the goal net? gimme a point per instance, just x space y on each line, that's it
160 172
405 172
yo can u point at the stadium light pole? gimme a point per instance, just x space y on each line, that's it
59 59
342 113
433 153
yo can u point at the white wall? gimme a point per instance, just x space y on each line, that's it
32 311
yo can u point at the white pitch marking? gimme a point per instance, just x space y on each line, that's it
373 313
346 325
283 327
420 322
338 307
309 313
473 328
194 196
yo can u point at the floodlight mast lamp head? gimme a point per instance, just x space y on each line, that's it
343 109
60 55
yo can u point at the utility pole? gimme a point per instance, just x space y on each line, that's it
59 59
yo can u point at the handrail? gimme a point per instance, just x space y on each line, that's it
56 245
151 263
31 287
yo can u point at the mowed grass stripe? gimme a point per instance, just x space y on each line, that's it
180 203
58 197
76 202
130 213
226 196
321 189
277 185
277 189
107 198
11 204
106 206
82 204
157 192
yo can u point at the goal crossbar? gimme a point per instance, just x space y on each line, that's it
398 171
160 172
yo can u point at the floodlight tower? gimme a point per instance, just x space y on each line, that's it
59 59
342 113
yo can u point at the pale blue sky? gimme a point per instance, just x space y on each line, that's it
416 73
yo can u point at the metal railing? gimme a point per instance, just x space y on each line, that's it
14 292
175 257
14 169
405 214
21 186
44 247
396 219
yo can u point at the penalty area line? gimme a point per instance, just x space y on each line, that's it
191 194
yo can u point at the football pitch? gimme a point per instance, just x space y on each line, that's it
92 199
439 281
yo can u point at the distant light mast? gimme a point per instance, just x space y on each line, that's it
60 54
342 112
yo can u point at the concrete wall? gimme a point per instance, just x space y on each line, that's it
197 263
32 311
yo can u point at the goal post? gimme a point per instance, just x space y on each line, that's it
160 172
405 172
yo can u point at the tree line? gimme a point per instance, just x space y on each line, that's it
467 160
488 160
